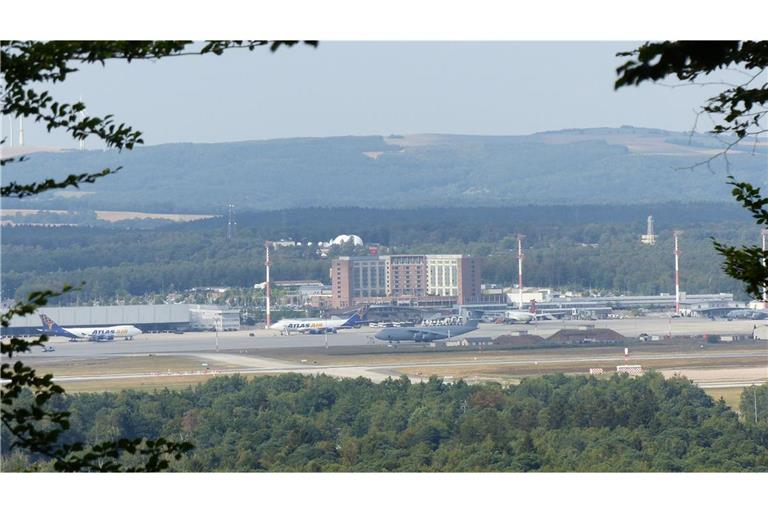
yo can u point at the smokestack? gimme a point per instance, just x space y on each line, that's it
677 273
268 287
21 131
520 270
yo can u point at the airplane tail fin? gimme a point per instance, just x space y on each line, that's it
353 320
357 317
50 326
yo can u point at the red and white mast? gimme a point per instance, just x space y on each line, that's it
520 270
763 233
268 286
677 272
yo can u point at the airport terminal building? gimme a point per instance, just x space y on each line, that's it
405 279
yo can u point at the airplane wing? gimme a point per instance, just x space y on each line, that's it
419 330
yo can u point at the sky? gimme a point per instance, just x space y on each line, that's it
373 88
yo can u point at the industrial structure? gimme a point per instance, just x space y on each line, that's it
405 279
649 238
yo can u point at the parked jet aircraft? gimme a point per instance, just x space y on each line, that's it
746 314
318 325
418 333
528 316
51 328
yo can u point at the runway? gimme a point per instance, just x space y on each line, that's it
380 371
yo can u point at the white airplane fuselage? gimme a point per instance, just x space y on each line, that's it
308 324
99 333
51 328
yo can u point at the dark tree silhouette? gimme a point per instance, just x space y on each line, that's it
27 67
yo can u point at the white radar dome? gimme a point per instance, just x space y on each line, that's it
344 239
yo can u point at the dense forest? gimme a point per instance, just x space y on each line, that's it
624 165
575 247
552 423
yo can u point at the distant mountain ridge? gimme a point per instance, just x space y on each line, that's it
625 165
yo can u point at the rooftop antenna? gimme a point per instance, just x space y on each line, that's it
231 223
677 271
520 271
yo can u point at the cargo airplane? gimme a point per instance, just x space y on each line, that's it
425 333
110 333
318 325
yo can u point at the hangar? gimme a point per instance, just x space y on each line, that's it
152 317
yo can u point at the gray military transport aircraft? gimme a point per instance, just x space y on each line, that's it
425 333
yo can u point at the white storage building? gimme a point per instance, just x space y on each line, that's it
213 318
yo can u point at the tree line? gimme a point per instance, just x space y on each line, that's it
319 423
589 249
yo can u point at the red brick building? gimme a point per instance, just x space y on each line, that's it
435 279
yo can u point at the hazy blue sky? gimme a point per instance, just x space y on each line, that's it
350 88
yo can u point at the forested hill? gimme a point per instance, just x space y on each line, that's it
614 166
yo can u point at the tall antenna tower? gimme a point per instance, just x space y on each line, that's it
231 223
677 271
268 287
763 233
520 271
